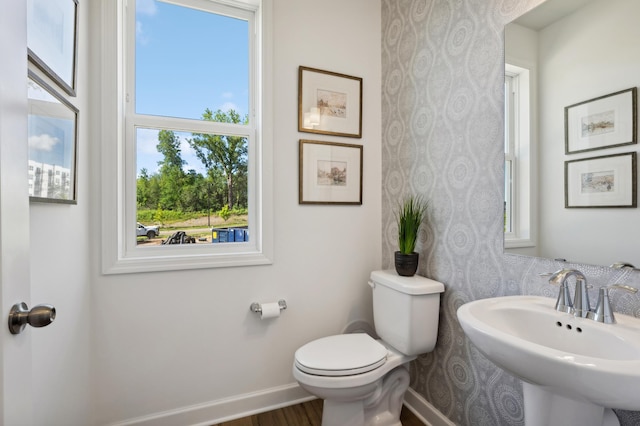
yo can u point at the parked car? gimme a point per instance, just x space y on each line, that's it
150 231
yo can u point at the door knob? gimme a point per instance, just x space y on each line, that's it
39 316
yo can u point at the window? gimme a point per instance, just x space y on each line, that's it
518 178
193 140
509 140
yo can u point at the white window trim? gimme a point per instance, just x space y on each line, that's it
509 156
119 254
524 166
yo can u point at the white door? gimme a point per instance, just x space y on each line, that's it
16 407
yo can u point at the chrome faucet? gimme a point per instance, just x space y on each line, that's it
580 306
603 311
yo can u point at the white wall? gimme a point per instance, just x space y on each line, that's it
166 341
580 62
60 275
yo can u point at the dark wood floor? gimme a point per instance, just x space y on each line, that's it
305 414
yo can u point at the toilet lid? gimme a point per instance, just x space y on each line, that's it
341 355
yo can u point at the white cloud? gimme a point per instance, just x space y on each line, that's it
146 141
142 38
146 7
229 105
43 142
227 95
189 155
185 148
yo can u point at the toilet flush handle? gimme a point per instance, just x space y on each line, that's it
371 284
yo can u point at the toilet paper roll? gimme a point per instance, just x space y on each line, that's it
270 310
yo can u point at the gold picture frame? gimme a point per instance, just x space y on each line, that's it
330 173
329 103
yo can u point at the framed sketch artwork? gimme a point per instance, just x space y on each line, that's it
603 122
607 181
330 173
329 103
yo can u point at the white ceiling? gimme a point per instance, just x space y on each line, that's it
549 12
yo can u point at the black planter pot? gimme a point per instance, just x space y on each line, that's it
406 264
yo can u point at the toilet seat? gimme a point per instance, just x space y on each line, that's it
341 355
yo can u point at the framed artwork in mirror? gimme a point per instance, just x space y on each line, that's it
607 181
603 122
52 138
329 103
52 38
330 173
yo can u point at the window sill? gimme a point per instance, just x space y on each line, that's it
518 243
137 264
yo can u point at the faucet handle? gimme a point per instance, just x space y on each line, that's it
581 304
604 311
621 265
563 303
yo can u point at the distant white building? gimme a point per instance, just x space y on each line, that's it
49 181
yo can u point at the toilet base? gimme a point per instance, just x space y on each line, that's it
380 407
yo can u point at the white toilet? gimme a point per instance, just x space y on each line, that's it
363 380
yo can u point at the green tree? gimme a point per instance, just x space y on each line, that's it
142 189
147 190
222 152
224 212
242 189
154 192
172 176
169 146
216 189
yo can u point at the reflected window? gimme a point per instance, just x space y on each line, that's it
517 148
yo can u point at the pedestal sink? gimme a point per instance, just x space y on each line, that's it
571 367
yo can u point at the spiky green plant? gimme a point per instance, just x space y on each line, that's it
410 216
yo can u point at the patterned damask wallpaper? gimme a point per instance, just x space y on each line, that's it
442 103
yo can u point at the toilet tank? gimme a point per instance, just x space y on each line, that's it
406 311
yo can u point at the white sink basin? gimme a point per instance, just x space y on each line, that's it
575 358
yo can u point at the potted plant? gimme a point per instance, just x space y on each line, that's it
410 217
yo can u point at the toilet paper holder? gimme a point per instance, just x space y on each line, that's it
257 307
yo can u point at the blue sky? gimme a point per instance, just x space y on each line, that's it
186 61
51 128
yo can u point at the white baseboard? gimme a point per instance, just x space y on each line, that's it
423 409
225 409
259 402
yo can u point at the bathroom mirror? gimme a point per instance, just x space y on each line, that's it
574 51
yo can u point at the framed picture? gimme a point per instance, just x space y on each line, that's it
608 181
330 173
52 40
52 138
602 122
329 103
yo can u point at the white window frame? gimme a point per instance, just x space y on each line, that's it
116 124
520 136
510 168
